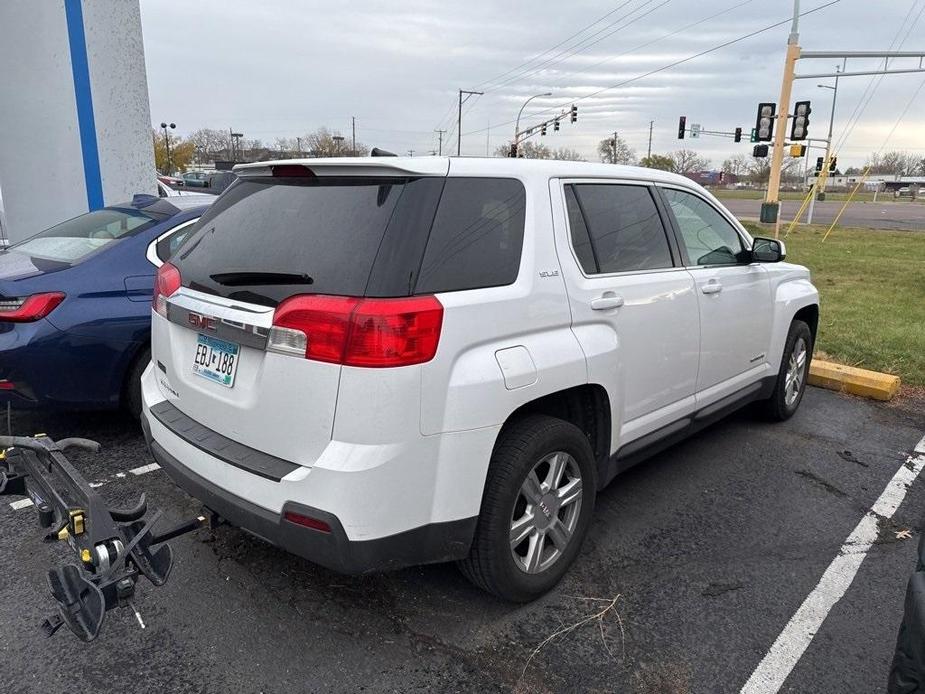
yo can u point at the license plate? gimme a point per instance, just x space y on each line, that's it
216 360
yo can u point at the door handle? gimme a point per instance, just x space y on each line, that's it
608 301
712 287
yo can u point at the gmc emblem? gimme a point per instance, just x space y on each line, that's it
200 322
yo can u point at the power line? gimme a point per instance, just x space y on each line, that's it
550 50
874 84
686 27
689 58
582 46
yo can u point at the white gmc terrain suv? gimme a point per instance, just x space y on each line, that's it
378 362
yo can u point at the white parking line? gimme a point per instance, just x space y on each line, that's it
789 647
145 469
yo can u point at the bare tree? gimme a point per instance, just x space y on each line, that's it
526 150
685 161
566 154
330 143
737 165
894 163
209 142
614 150
657 161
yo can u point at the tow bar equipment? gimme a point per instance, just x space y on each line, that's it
113 546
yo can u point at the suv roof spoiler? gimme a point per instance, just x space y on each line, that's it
381 165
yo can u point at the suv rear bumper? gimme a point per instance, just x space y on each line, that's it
435 542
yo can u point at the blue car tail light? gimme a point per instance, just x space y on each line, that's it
27 309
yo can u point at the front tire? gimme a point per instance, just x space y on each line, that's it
793 373
536 509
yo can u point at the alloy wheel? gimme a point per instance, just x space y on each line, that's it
546 512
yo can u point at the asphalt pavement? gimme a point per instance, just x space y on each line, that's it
901 216
708 550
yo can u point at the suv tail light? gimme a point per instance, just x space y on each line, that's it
375 333
28 309
165 284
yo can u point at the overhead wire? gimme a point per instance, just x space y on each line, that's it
676 63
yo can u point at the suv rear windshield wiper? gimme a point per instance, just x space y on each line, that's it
241 279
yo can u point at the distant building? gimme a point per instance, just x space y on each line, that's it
886 182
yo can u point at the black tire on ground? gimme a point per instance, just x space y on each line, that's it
777 406
131 389
521 446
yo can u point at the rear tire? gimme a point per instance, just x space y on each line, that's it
792 375
131 390
536 509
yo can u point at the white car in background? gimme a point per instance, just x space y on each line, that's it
431 359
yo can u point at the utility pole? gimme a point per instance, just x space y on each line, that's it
298 143
819 193
649 154
614 161
410 152
353 128
440 134
770 210
468 93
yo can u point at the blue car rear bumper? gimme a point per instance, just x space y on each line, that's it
50 368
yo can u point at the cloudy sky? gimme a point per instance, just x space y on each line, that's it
279 68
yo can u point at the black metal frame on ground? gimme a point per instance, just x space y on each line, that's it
113 546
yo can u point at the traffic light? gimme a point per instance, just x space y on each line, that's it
820 162
543 129
797 150
760 151
574 115
833 164
738 135
800 124
682 126
754 136
555 126
513 152
764 124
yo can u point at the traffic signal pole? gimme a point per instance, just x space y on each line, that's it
770 210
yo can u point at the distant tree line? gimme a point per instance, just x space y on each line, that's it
208 145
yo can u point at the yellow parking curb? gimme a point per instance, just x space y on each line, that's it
850 379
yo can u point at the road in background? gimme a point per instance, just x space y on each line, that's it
902 216
711 547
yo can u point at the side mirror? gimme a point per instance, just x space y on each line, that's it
768 250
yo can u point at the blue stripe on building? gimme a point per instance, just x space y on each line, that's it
80 67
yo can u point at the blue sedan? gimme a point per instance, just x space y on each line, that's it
75 304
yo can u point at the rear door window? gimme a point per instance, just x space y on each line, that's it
477 236
625 228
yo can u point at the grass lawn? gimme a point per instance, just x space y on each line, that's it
872 295
747 194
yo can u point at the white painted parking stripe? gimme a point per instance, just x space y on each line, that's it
793 641
145 469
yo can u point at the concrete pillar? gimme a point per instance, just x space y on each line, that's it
75 124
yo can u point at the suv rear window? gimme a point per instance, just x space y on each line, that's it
266 239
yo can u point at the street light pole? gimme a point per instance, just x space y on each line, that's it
519 114
164 126
820 194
